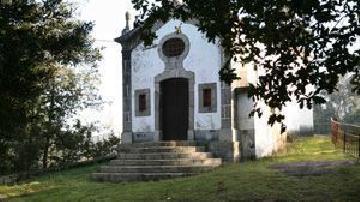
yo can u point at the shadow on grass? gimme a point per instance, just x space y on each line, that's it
244 181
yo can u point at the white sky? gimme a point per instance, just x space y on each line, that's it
109 19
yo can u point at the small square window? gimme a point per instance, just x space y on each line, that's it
142 103
207 97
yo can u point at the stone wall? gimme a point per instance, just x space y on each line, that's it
228 151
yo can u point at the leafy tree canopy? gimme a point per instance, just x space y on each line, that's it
295 42
34 35
39 41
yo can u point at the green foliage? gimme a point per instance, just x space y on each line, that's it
343 104
105 147
294 43
353 117
77 145
355 82
47 73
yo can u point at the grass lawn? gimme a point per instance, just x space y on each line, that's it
232 182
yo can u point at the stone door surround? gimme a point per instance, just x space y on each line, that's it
174 69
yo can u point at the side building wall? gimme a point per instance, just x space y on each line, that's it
256 137
268 139
299 122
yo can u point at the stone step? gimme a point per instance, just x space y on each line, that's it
154 169
156 144
176 162
164 156
160 149
155 161
120 177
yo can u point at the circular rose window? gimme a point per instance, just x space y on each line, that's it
173 47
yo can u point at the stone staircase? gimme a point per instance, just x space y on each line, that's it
155 161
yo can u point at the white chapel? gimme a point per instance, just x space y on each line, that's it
172 91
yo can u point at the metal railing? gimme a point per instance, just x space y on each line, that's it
346 137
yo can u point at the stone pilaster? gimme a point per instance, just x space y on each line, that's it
226 134
126 136
128 40
226 147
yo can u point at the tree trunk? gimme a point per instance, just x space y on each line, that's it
46 153
50 126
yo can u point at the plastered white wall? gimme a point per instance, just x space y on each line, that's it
204 59
244 107
298 120
267 139
264 142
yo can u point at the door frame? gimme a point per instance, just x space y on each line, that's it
169 74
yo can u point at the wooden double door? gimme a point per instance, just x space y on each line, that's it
174 108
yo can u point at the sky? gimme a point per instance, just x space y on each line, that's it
109 19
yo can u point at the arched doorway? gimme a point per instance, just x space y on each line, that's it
174 108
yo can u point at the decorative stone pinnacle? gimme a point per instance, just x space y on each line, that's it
127 17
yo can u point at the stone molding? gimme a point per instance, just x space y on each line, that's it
147 94
176 61
213 107
174 69
175 73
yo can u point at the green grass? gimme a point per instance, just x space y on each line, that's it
232 182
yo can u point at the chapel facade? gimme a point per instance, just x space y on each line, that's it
172 91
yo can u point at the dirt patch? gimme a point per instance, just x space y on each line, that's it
3 198
311 168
